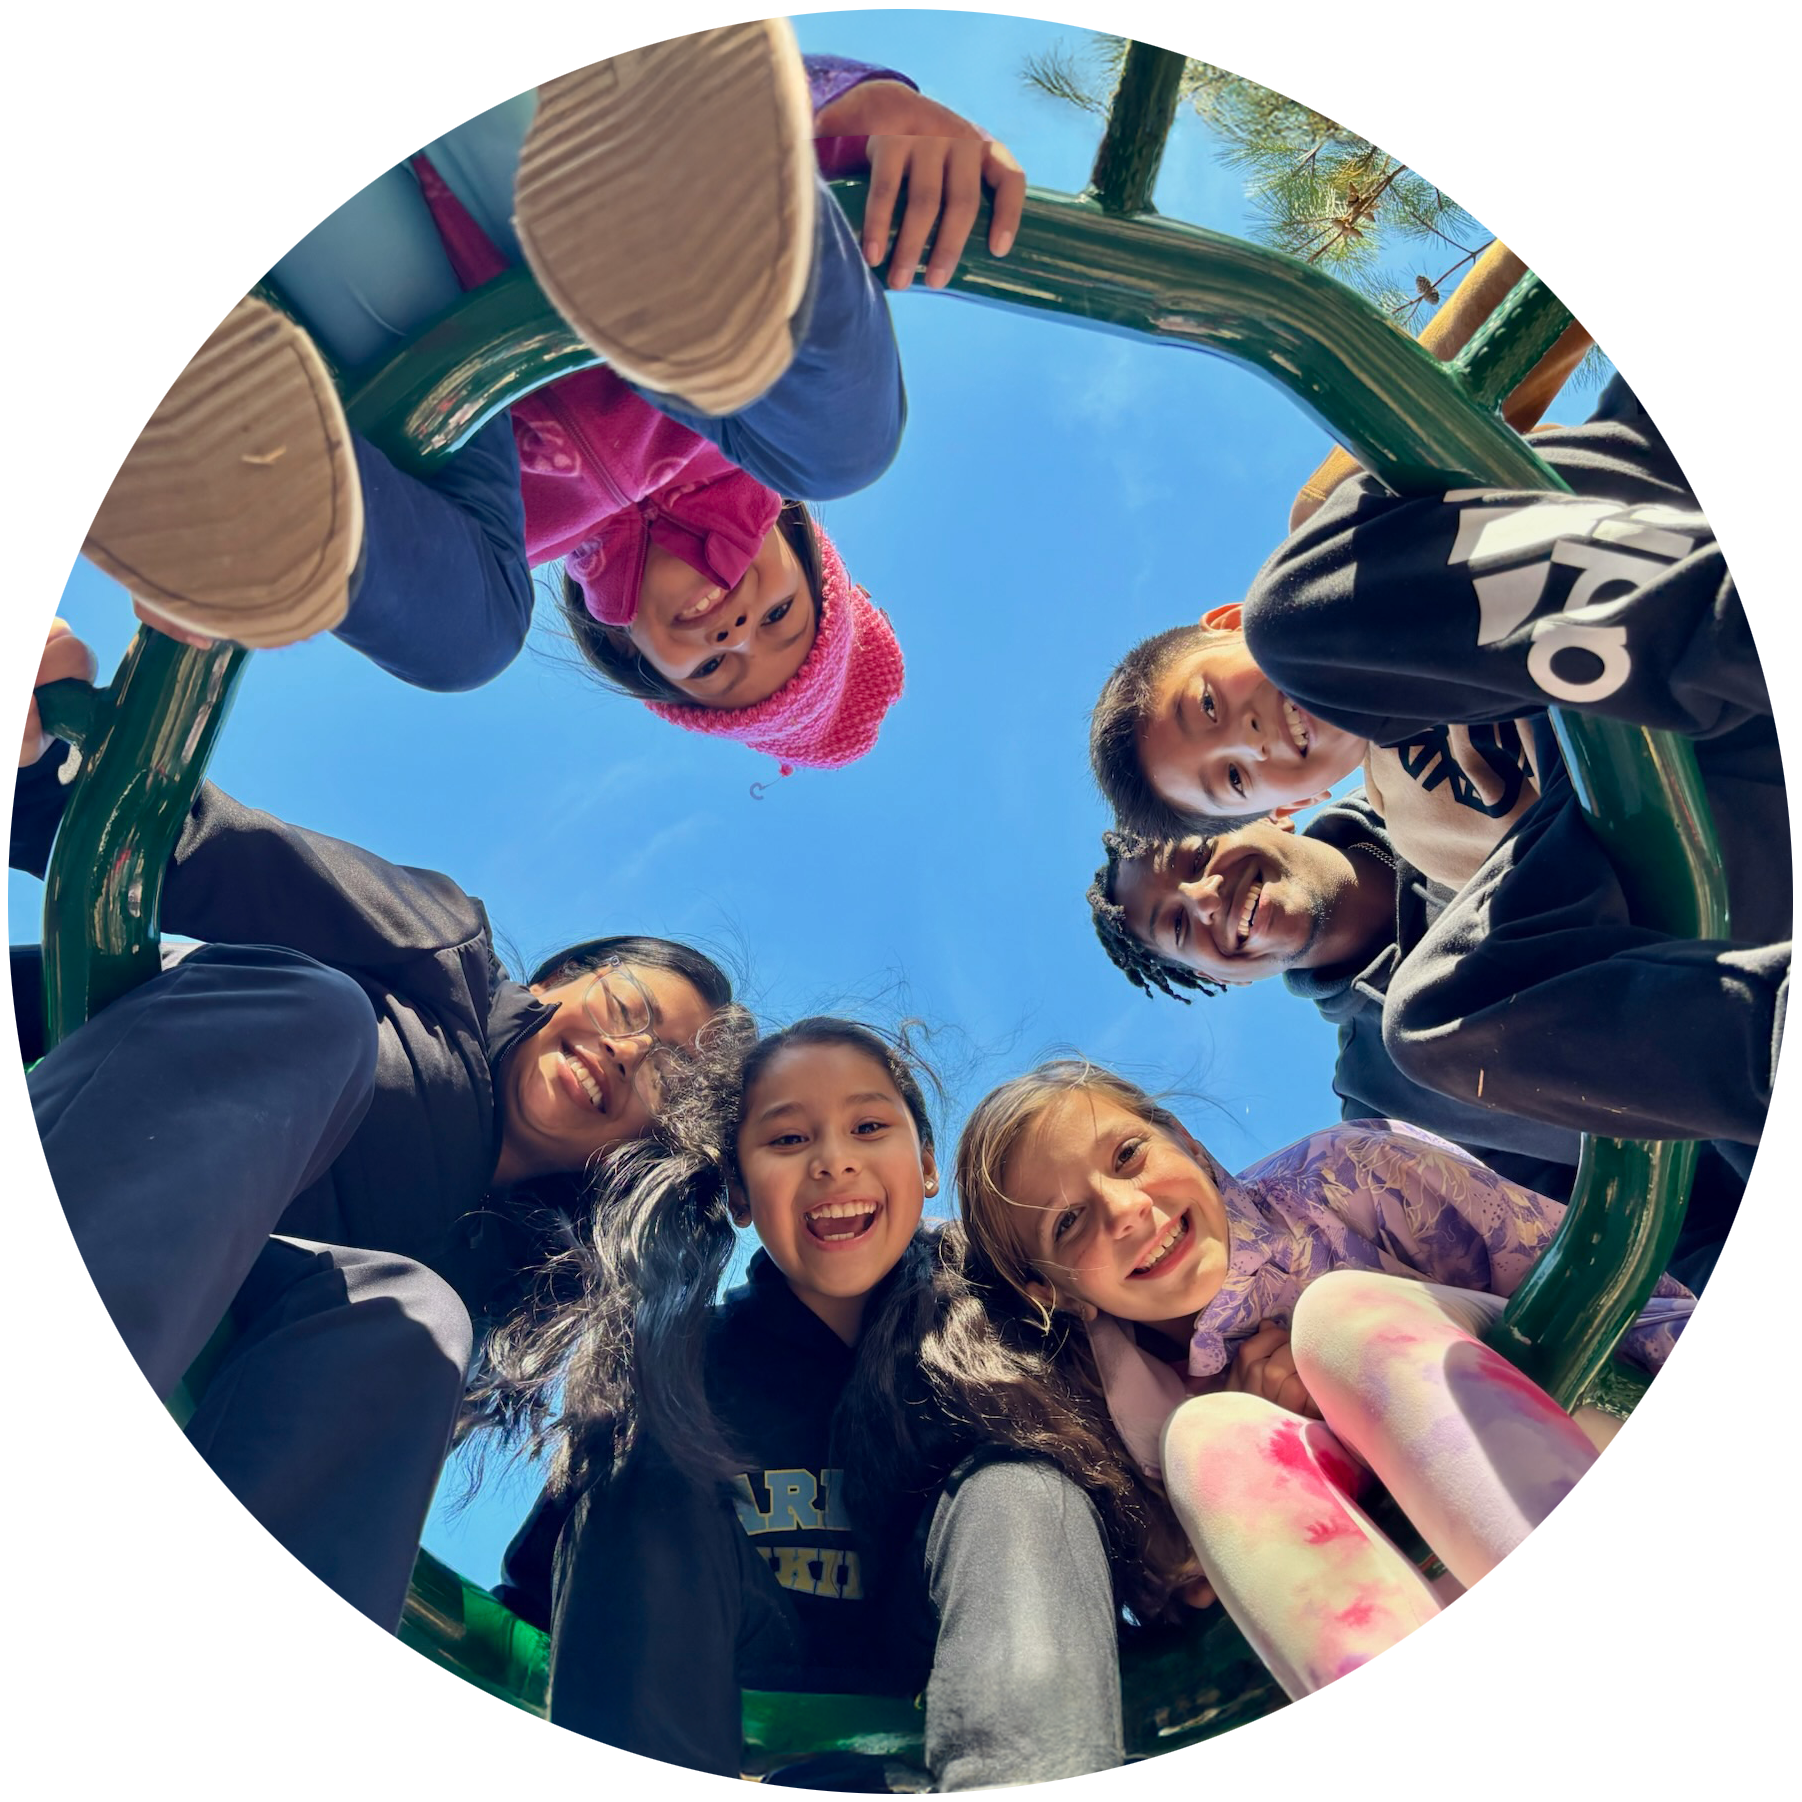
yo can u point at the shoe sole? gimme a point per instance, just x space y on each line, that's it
665 202
49 173
239 513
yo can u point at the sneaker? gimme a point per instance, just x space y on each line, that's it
239 513
49 173
665 202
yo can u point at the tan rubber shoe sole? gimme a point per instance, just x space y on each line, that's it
665 202
49 173
239 513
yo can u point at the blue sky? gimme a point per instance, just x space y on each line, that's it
1060 494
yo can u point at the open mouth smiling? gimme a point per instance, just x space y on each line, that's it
1301 733
699 611
838 1223
1233 923
1170 1249
582 1081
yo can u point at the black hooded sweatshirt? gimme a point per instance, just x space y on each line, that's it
1535 990
847 1571
416 1178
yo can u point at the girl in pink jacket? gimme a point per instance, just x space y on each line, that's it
669 203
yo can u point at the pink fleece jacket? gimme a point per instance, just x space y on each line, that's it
603 474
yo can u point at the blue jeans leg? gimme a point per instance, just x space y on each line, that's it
443 596
833 422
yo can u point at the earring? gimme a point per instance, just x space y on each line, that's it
932 1185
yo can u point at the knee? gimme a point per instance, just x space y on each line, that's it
1337 1307
1028 1503
307 1009
854 464
1352 1326
429 1326
1206 1429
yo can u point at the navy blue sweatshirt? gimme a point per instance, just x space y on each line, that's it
775 1374
416 1178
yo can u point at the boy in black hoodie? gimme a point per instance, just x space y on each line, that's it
1382 619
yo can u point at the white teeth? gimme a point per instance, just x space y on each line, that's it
1298 732
841 1210
854 1218
1177 1229
1250 908
695 609
585 1077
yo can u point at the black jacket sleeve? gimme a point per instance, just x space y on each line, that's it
1389 616
1535 993
242 876
1369 1086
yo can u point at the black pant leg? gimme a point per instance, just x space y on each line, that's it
251 1568
179 1123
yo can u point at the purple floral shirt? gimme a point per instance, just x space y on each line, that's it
830 76
1379 1195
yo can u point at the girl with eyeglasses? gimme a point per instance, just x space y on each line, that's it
341 1127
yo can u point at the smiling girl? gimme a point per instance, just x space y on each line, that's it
1092 1208
1089 1204
777 1459
672 204
341 1124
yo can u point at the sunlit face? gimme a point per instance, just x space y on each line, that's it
1220 742
726 647
588 1077
1116 1213
832 1167
1241 906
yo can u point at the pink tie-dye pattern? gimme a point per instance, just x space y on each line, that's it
1475 1454
1437 1413
1302 1570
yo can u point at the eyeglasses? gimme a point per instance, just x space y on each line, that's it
620 1008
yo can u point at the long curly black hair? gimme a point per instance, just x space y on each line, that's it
613 1345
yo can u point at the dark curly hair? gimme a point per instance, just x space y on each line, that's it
1143 966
